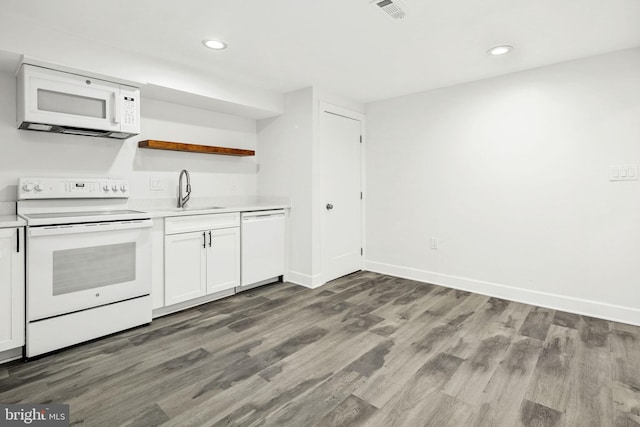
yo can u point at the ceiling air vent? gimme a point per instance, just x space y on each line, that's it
394 9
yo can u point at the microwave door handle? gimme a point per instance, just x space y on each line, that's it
116 107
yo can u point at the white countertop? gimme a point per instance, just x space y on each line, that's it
8 221
161 208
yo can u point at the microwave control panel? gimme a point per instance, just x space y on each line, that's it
72 188
129 110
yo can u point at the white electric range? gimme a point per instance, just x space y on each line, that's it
88 261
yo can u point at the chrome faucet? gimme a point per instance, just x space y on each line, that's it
182 201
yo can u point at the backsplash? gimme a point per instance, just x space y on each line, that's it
7 208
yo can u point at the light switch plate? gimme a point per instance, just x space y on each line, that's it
623 172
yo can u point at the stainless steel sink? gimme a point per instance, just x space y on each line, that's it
194 208
202 208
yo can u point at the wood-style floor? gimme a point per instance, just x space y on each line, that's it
366 349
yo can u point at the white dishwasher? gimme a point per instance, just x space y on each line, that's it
263 247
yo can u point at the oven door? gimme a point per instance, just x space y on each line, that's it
80 266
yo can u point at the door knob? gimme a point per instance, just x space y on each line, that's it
329 206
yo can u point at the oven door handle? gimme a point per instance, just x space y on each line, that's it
89 228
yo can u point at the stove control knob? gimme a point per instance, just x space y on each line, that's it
124 187
106 187
27 187
39 187
114 187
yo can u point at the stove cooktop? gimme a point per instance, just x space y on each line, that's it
80 214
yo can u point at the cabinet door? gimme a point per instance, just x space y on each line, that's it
185 267
223 260
12 321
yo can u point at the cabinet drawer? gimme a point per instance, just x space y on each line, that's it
189 223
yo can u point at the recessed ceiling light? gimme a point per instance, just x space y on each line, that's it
214 44
500 50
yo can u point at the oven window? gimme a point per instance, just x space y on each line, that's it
94 267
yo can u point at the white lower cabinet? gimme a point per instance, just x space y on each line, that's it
202 256
223 260
185 272
12 320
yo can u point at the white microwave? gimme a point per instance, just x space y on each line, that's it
62 102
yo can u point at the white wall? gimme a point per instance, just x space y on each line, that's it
285 169
25 36
28 153
289 167
511 175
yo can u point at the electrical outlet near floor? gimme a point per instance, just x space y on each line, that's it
435 243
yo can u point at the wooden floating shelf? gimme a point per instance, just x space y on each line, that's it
193 148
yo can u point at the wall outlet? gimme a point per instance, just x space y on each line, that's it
435 243
156 184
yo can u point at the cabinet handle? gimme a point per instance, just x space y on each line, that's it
18 241
209 238
204 240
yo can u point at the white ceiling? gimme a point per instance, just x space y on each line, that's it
349 47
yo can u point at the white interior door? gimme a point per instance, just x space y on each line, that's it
342 205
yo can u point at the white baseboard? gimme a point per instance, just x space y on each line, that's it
601 310
305 280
